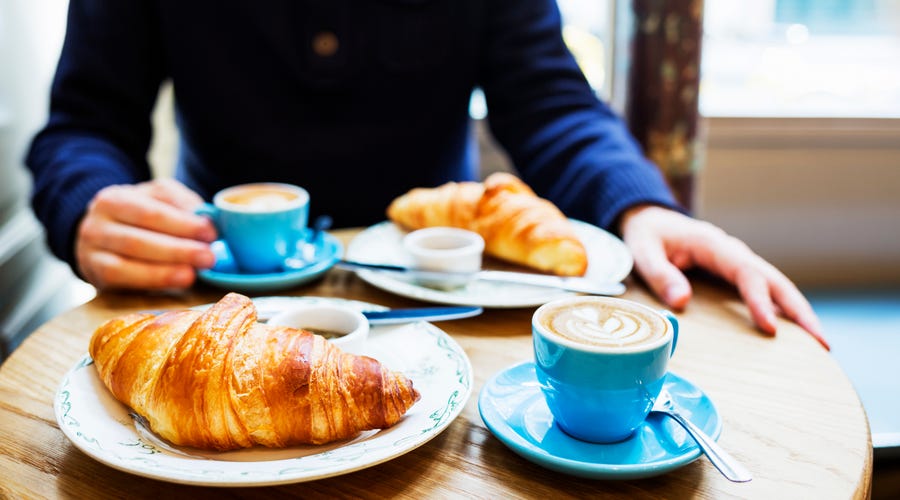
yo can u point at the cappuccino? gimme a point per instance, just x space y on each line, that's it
262 197
600 363
605 323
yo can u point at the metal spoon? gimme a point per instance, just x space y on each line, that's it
320 225
306 253
727 465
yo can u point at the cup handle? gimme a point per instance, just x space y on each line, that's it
674 321
207 209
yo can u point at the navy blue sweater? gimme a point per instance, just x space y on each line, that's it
380 109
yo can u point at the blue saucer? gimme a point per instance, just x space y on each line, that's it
513 408
327 254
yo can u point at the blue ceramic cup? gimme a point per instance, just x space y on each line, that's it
261 223
601 362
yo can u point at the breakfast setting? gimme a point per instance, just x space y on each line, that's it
310 380
329 289
316 353
249 357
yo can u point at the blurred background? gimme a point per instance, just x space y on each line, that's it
796 151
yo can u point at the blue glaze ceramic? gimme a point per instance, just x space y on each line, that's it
599 394
259 239
514 410
224 275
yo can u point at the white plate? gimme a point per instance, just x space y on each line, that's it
102 427
608 261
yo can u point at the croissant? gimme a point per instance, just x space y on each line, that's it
220 380
516 224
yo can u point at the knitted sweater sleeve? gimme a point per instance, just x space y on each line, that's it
563 140
98 130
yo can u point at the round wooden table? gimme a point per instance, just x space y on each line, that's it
789 413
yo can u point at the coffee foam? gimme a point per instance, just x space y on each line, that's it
605 325
261 198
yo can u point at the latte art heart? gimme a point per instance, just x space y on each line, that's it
605 326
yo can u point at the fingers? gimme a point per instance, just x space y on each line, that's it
133 205
107 270
764 289
173 192
754 289
141 244
143 236
661 275
795 307
663 241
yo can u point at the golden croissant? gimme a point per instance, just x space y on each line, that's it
516 224
220 380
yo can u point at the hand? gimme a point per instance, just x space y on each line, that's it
665 242
144 236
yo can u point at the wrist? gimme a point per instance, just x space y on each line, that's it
629 214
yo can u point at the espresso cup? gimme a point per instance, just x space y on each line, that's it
601 362
261 223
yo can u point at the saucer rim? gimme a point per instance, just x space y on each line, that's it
514 440
278 279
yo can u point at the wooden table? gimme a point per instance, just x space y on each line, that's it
790 414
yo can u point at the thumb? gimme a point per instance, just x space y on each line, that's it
174 193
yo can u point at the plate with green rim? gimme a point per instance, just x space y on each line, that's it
106 430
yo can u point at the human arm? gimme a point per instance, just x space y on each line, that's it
98 130
564 142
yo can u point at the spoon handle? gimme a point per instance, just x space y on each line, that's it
721 459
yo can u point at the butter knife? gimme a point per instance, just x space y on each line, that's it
392 316
572 284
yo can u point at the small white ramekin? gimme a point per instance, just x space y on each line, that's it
445 249
350 324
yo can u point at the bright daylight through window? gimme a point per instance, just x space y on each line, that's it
770 58
801 58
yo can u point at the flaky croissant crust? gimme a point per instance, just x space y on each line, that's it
516 224
220 380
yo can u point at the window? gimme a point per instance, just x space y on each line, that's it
801 100
801 58
588 31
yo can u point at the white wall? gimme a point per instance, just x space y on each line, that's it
819 198
31 33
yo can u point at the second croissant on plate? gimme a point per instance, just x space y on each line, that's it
517 225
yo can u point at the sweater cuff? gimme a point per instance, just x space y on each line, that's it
644 185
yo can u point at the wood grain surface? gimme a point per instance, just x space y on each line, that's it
790 414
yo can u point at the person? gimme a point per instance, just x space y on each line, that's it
358 102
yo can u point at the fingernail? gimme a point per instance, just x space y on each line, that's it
182 277
770 322
815 330
204 260
676 294
207 234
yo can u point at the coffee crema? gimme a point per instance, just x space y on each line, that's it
261 198
605 325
